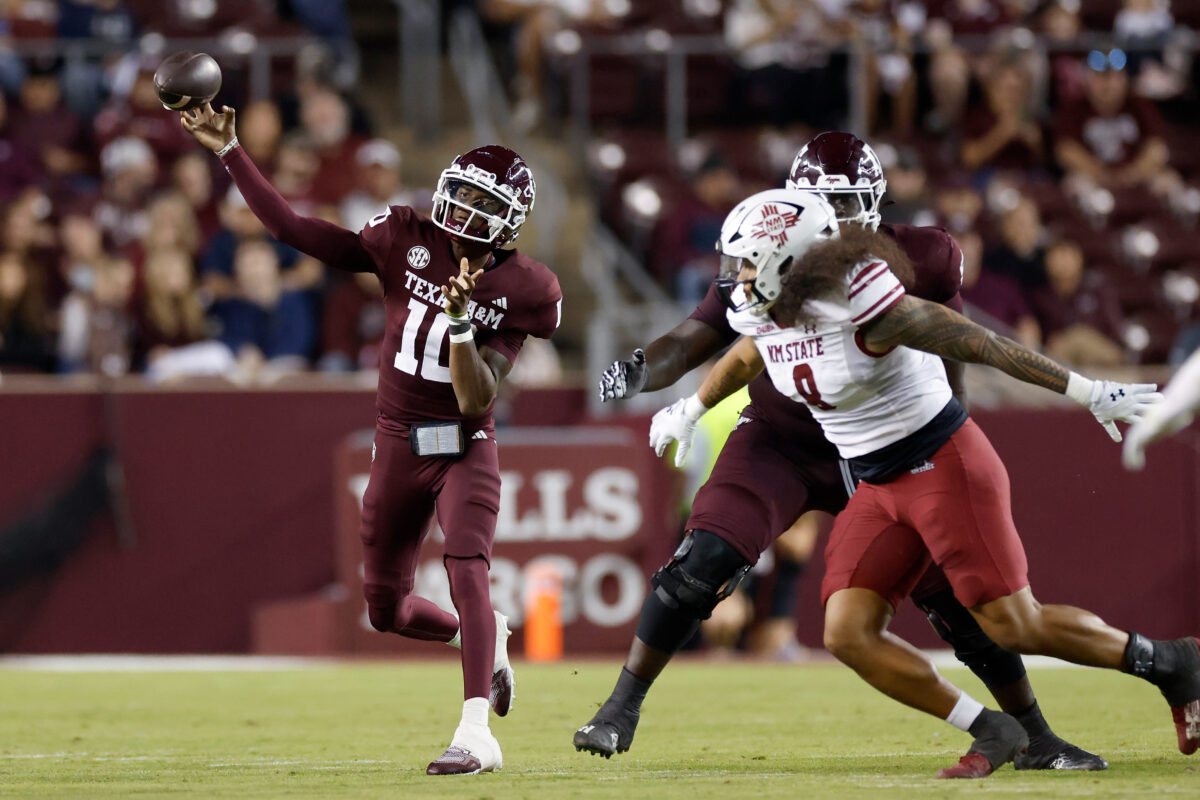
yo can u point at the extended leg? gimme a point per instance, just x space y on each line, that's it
856 633
1018 622
1003 673
684 592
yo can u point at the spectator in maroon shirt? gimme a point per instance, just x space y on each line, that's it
1109 135
325 117
993 300
192 178
297 167
18 164
1060 25
140 114
1002 132
353 325
41 124
260 127
1079 311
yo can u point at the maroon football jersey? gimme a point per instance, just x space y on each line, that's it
514 298
937 263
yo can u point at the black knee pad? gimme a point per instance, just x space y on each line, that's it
381 606
994 665
704 571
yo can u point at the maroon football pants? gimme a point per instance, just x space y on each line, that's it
402 495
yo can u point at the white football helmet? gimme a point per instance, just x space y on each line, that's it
768 232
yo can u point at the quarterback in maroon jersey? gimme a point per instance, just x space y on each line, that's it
777 465
458 310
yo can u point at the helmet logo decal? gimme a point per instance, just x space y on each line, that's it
774 224
418 257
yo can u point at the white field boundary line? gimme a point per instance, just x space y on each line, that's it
244 663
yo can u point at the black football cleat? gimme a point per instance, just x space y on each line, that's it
1051 752
999 738
610 731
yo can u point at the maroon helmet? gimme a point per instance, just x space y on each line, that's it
845 171
496 215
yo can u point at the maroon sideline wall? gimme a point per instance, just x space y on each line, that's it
232 495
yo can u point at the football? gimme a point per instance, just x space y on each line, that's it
186 80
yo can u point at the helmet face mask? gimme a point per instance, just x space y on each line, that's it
845 170
494 187
767 233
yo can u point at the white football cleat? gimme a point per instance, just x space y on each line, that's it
472 750
504 683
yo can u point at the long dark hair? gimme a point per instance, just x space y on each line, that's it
823 268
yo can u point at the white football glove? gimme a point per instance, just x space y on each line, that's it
1110 401
676 423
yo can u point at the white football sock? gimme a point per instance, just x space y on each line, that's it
965 712
475 711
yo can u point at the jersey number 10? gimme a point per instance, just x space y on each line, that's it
429 362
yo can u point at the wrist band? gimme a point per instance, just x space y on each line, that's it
694 408
232 144
459 327
459 338
1079 389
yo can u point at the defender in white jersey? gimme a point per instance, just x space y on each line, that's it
840 332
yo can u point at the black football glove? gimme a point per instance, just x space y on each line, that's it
624 378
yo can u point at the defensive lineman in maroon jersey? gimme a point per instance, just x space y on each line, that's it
458 310
777 464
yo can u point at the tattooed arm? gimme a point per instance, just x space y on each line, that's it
741 364
936 329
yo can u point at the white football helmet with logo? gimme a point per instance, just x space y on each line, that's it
768 232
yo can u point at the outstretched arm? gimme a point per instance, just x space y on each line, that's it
324 241
677 422
664 361
936 329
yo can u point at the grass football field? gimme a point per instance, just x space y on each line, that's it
709 730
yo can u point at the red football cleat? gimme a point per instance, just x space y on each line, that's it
1187 726
972 765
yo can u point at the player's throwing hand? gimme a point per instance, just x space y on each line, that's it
216 131
458 294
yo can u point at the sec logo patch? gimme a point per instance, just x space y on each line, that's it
418 257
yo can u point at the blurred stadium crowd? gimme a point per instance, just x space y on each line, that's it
1053 138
